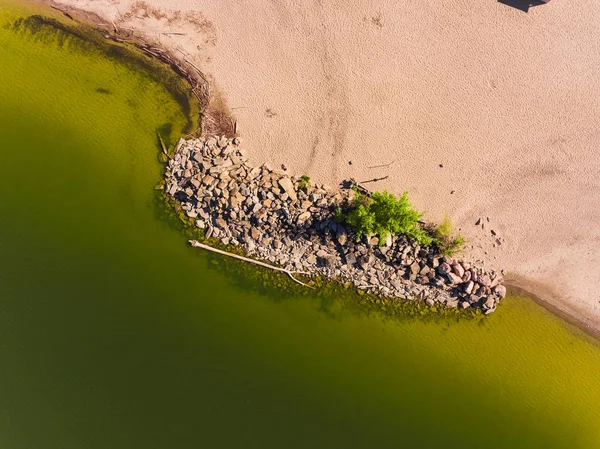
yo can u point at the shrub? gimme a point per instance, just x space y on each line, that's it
384 214
445 238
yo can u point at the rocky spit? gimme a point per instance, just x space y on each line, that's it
283 220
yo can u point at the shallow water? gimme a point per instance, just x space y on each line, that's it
114 333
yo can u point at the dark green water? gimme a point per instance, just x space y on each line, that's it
115 334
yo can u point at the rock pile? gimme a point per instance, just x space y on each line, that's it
281 219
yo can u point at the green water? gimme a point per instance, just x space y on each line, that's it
115 334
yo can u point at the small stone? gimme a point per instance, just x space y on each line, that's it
200 224
478 222
429 302
465 305
303 217
342 239
254 233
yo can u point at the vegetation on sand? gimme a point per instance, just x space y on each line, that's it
382 214
304 182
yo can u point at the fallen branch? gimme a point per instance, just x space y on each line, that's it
374 180
197 244
162 144
382 165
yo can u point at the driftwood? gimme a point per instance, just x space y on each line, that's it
374 180
197 244
382 165
162 144
362 189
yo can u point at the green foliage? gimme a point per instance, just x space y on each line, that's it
384 214
445 238
304 182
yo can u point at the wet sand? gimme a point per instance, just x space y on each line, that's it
480 110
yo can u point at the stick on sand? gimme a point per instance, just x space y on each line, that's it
197 244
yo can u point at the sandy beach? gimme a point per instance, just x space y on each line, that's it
478 109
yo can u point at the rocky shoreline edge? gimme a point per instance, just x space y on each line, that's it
286 222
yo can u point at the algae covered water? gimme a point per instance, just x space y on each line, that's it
114 333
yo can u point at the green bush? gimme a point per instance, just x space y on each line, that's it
384 214
445 238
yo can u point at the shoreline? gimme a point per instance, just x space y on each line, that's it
554 304
557 305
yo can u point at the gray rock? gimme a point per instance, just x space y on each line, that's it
374 241
328 260
444 268
286 184
414 270
500 290
467 276
465 305
454 279
388 241
489 303
303 217
485 280
429 302
469 287
350 259
458 270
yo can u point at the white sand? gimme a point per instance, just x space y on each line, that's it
508 102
